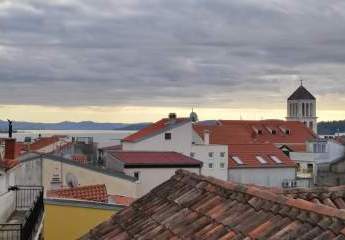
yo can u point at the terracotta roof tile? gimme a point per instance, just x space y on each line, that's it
248 154
43 142
96 193
242 131
157 127
189 206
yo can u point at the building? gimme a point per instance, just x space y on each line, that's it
190 206
72 211
21 211
261 164
174 134
150 168
301 106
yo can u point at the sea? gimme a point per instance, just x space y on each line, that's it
104 138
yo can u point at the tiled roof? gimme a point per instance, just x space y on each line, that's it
297 147
189 206
248 154
155 128
330 196
81 158
121 200
243 131
96 193
301 93
43 142
147 158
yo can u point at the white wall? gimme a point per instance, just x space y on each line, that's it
181 141
201 152
269 177
152 177
7 205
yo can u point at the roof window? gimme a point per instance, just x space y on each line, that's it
275 159
261 159
237 160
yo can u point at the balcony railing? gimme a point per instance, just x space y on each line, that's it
29 209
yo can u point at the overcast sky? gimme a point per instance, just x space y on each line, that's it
135 60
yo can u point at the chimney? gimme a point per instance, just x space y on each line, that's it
10 149
172 118
206 137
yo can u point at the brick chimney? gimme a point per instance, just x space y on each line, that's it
10 149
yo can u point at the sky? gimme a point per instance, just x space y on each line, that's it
135 61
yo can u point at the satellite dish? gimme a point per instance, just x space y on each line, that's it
71 180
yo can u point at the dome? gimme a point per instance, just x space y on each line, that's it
193 116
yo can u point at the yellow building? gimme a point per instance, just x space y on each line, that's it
69 219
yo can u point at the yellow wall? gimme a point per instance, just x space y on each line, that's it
115 185
71 222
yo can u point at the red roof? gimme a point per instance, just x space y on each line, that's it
240 131
81 158
43 142
96 193
190 206
248 153
155 128
121 200
141 158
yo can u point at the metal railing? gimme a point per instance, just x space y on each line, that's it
28 201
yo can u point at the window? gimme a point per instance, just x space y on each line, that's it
221 165
210 154
287 132
210 165
192 154
274 132
222 154
260 131
310 168
298 167
237 160
276 159
167 136
261 159
137 175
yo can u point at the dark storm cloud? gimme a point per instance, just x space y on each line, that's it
160 53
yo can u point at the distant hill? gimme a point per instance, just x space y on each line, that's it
85 125
331 127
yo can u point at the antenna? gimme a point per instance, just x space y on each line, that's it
301 80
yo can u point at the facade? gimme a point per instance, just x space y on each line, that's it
301 106
71 218
178 135
150 168
191 206
318 153
21 211
261 164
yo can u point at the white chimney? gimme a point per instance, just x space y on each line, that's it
172 118
206 137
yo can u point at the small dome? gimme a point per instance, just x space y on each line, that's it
193 116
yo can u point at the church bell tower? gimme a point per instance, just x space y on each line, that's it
301 106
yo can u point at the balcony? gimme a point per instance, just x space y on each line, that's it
23 208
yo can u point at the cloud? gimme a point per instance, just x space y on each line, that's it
238 53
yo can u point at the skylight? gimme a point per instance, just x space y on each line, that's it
276 159
237 160
261 159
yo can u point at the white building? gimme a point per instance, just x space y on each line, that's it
261 164
301 106
178 135
318 151
150 168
